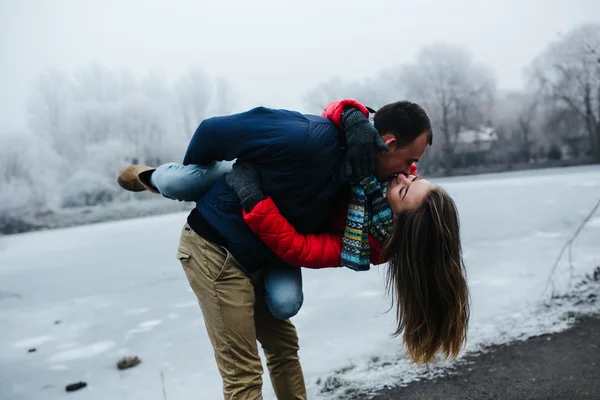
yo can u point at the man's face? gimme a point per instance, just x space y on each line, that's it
398 160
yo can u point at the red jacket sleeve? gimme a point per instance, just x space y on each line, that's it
334 110
310 250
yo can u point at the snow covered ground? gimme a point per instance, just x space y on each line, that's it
87 295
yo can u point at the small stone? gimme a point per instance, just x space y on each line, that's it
128 362
32 350
75 386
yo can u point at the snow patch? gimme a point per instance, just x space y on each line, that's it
58 367
83 352
143 327
548 235
136 311
64 346
187 304
150 324
32 342
594 223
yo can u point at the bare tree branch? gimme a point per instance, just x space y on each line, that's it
569 243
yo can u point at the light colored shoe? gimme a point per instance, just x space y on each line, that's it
136 178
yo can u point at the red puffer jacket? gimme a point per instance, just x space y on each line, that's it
308 250
302 250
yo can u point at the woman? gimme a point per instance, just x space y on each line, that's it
409 222
426 273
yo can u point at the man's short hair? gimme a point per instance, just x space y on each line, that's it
405 120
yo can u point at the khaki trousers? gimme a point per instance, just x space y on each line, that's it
236 317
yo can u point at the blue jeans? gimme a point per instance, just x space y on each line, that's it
187 182
283 285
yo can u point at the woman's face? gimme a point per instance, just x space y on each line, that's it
406 192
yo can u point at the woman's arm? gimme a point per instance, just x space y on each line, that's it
310 250
360 138
302 250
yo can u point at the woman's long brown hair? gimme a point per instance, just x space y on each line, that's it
427 278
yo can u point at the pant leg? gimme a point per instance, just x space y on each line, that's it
283 291
227 300
279 341
187 182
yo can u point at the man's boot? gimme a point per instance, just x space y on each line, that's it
136 178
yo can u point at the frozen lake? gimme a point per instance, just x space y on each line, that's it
117 289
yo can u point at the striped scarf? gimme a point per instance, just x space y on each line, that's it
368 213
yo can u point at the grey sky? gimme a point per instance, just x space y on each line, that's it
271 51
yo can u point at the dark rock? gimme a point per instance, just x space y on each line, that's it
32 350
75 386
128 362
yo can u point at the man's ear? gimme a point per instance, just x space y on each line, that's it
390 141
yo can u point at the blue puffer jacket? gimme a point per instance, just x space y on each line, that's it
299 158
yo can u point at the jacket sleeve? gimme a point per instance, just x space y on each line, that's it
308 250
333 111
256 135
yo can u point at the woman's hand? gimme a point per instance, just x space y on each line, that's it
244 179
363 141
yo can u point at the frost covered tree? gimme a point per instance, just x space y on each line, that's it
193 92
225 99
47 108
374 91
100 119
456 92
568 73
517 117
29 177
332 89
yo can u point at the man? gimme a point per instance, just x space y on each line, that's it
301 163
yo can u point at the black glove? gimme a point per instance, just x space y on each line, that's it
362 140
244 179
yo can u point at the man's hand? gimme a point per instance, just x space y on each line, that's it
363 140
244 179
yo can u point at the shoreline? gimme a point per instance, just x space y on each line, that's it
563 365
153 206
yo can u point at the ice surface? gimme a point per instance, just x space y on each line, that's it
117 289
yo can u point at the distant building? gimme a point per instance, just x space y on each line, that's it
475 141
471 146
576 143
